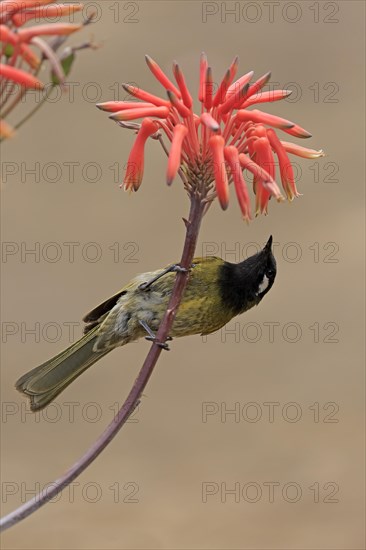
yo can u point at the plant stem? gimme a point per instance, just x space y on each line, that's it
192 230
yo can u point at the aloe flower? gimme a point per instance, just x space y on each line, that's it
211 149
23 50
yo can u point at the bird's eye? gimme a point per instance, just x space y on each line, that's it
270 272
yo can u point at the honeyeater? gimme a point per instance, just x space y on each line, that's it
216 292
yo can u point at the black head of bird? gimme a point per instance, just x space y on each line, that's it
246 283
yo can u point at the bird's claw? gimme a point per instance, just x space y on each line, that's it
178 269
162 345
175 268
144 286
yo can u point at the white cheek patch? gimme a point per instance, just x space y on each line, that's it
264 284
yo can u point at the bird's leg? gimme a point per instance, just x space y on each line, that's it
172 268
152 336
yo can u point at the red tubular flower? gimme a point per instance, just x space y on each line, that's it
297 131
238 84
20 77
145 96
264 157
159 75
217 145
203 71
258 85
287 173
132 114
210 122
179 133
208 89
265 97
258 172
181 108
6 131
56 10
53 29
302 151
221 92
234 98
115 106
222 184
179 77
135 164
232 157
264 118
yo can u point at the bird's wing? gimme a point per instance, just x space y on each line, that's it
99 313
207 260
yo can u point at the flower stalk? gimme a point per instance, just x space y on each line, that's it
197 205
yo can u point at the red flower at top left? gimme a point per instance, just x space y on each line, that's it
24 48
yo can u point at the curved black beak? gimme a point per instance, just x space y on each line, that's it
268 247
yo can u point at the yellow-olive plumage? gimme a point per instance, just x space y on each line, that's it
216 291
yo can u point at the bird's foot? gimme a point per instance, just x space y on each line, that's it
175 268
152 336
162 345
179 269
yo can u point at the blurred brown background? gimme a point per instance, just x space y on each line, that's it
293 451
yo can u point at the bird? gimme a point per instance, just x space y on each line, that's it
216 292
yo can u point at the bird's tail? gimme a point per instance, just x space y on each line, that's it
45 382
